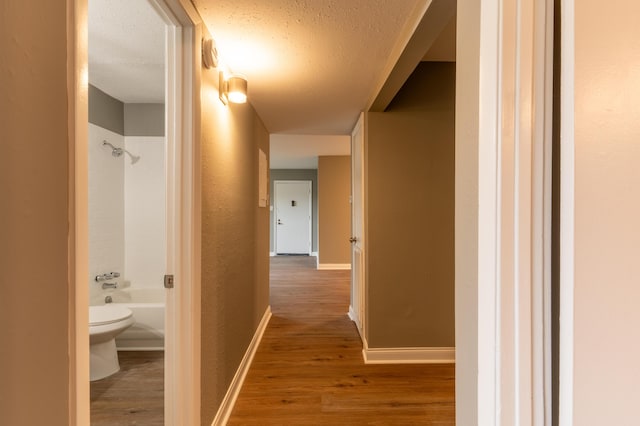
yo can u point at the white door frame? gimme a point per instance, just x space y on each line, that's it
275 213
503 140
182 337
358 289
182 375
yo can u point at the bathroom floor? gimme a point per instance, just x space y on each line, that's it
132 396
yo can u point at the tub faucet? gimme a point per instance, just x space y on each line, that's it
107 276
108 299
109 285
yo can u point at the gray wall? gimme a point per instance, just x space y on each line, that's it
296 174
125 119
410 214
144 119
105 111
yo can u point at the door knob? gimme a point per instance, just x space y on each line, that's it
353 239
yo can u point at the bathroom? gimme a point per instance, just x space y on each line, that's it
127 210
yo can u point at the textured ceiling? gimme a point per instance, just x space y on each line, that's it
311 65
126 50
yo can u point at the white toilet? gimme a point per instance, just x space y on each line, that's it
105 323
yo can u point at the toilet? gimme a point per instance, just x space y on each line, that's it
105 323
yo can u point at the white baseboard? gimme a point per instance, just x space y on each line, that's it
313 253
224 412
434 355
334 266
272 253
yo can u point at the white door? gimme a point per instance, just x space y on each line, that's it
357 308
293 217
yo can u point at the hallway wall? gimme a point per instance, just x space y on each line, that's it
235 239
334 209
34 218
409 151
607 211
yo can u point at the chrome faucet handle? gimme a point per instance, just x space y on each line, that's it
109 285
107 276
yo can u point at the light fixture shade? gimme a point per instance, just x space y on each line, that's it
237 90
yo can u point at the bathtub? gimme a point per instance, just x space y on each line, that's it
147 305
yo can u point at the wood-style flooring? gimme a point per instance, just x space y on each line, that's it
132 396
309 370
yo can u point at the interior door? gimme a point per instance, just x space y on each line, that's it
357 310
293 217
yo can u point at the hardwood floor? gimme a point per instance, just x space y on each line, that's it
308 369
132 396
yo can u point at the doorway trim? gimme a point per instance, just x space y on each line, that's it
275 215
182 337
182 399
502 243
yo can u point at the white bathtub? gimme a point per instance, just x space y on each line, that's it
147 305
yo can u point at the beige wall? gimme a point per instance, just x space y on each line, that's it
34 218
334 209
235 240
35 307
410 214
607 213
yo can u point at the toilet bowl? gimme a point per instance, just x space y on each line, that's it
105 323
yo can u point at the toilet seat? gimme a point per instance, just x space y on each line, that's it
108 314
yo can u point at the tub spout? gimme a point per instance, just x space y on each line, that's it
109 285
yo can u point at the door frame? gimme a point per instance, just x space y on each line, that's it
182 398
503 214
275 213
358 289
181 389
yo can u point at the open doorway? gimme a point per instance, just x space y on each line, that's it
128 244
141 79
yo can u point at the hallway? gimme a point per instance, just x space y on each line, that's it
308 369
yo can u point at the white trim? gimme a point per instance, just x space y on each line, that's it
567 212
182 317
434 355
224 412
358 286
334 266
314 253
77 66
272 254
503 299
488 260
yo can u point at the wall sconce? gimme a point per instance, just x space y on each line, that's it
233 89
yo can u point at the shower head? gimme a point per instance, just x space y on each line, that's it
116 152
134 158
